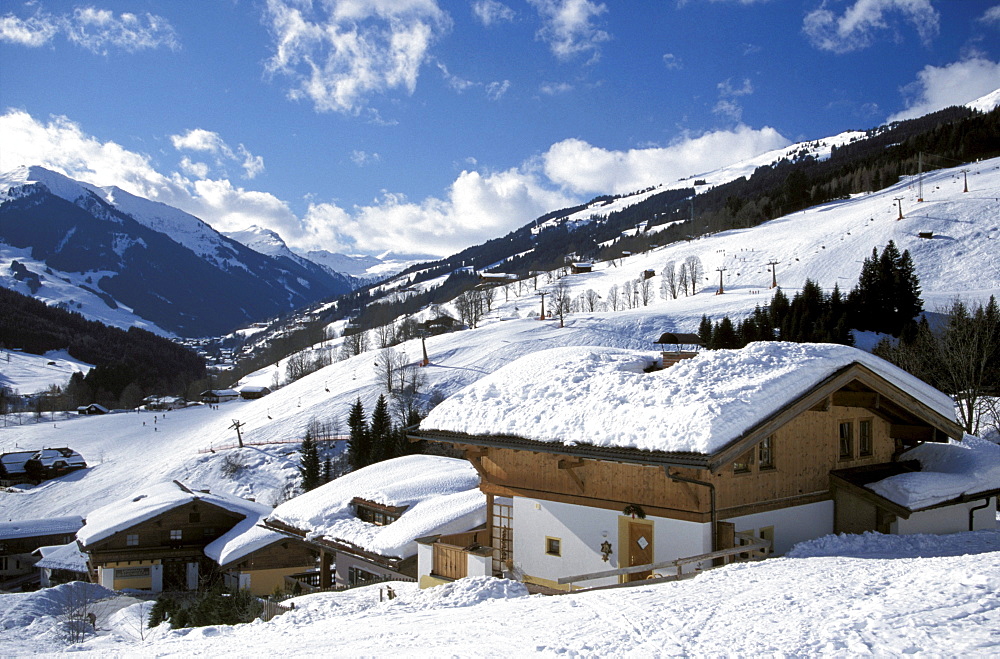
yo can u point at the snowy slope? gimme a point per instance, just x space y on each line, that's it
875 595
30 374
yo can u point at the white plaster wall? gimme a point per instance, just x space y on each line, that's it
156 571
106 577
581 530
192 576
952 519
791 525
479 566
425 560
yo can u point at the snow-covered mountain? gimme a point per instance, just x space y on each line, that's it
166 268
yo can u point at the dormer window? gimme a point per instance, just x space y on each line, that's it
376 513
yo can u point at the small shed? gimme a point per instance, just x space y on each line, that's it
581 267
93 408
677 346
250 392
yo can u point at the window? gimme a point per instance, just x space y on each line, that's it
765 453
743 463
208 532
132 540
376 517
846 440
4 564
176 534
553 546
357 576
866 446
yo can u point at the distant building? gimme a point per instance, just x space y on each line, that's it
215 396
93 408
19 540
251 392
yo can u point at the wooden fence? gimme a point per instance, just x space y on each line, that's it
270 608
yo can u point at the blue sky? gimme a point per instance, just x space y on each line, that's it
424 126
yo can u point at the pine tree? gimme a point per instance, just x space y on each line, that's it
359 442
309 464
705 331
380 431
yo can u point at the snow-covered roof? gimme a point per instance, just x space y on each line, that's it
62 557
947 471
602 396
245 538
31 528
155 500
441 495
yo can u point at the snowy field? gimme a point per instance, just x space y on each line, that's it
839 596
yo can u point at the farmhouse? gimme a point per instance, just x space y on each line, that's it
169 537
93 408
60 564
367 522
599 470
19 540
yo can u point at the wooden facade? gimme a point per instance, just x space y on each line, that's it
174 540
265 569
852 420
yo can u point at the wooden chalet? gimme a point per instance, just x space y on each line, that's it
170 537
21 539
216 396
581 268
93 408
366 524
60 564
597 472
251 392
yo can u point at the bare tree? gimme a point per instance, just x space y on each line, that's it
489 294
695 272
682 278
469 306
561 300
591 299
645 290
385 335
613 296
669 280
354 344
388 365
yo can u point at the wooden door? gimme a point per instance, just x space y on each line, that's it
640 548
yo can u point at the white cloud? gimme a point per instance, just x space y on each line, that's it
864 20
991 15
206 141
568 29
33 32
727 106
953 84
672 62
454 81
490 12
362 158
341 52
496 89
97 30
586 169
553 88
477 206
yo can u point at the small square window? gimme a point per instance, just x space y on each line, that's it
553 546
132 540
176 534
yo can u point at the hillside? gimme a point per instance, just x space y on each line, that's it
81 247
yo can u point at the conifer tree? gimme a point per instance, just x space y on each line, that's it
309 464
380 431
358 443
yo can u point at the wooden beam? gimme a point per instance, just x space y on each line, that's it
475 457
918 433
868 399
821 406
570 466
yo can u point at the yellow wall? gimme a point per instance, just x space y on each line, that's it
262 582
136 583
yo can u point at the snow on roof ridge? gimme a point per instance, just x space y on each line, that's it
584 394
